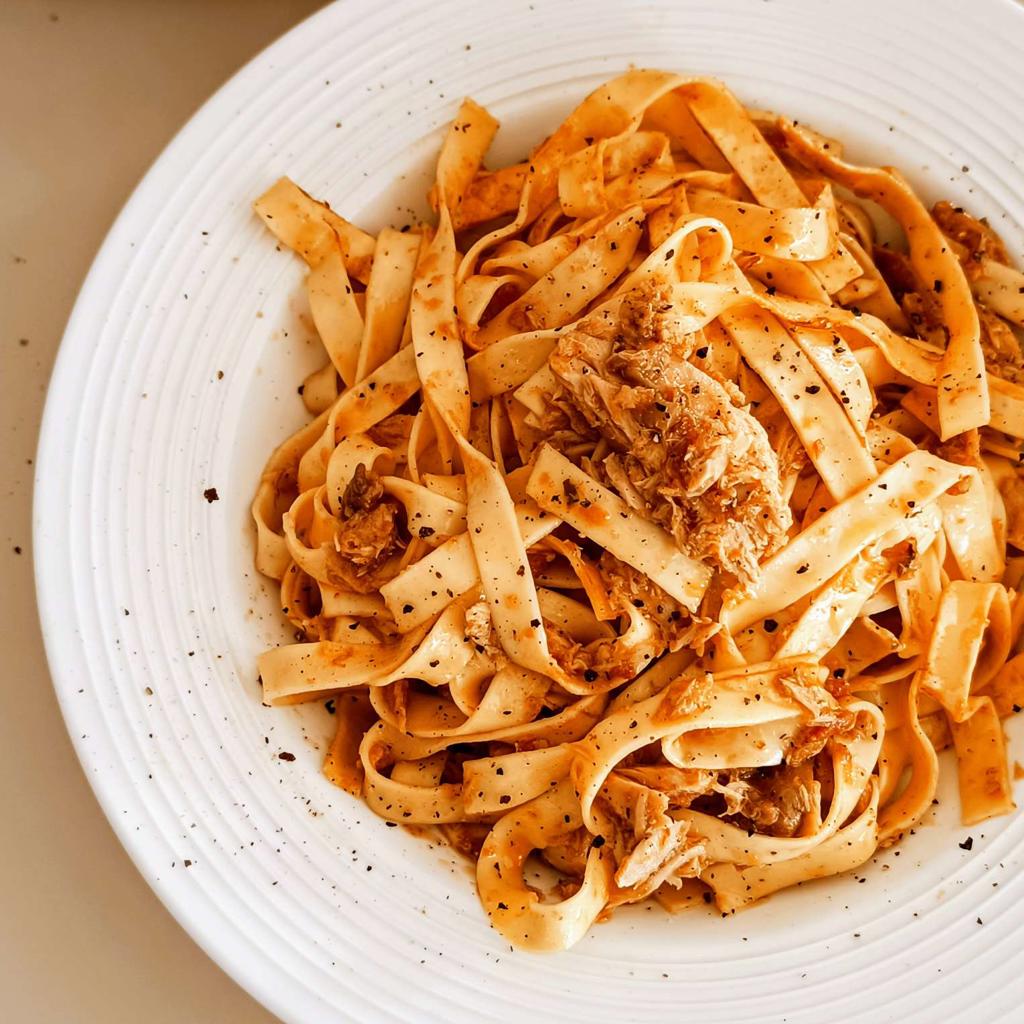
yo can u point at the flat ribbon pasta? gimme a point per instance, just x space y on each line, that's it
657 523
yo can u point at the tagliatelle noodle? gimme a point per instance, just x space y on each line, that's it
644 527
387 299
962 392
841 533
601 516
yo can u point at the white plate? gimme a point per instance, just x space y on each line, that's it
153 615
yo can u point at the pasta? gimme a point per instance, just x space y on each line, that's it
657 524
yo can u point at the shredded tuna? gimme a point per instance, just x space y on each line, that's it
975 242
364 543
773 800
648 317
683 697
1002 351
366 537
478 623
829 720
369 537
649 846
789 450
656 855
980 241
362 493
657 622
602 663
684 453
569 855
628 588
963 449
479 629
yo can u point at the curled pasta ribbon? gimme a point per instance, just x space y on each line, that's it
846 849
515 910
970 643
661 516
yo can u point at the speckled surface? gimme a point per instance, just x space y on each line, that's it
310 901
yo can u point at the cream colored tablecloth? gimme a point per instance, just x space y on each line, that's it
90 92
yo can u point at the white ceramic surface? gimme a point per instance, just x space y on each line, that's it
153 615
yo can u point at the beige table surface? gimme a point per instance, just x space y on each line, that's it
90 92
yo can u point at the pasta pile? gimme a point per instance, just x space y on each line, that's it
659 517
